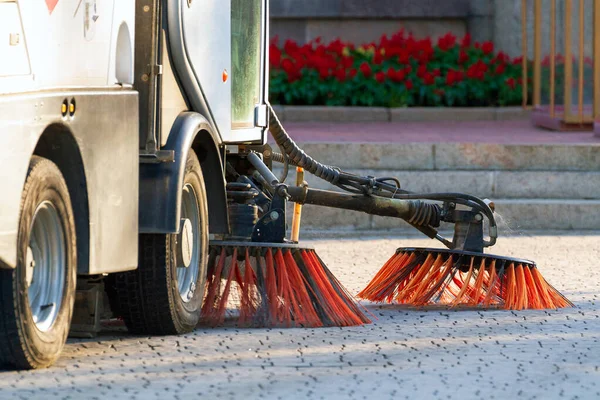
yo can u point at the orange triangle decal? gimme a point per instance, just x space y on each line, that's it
51 4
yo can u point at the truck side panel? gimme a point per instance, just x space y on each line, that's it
73 44
105 133
82 51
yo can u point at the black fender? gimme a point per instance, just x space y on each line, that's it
161 184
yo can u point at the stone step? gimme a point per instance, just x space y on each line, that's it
512 215
457 156
485 184
381 114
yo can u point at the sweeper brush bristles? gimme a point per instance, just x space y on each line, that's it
275 286
421 277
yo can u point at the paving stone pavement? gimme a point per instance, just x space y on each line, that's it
404 354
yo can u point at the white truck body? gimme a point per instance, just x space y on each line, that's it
85 52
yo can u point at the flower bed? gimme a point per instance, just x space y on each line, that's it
396 72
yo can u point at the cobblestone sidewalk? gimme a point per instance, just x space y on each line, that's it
404 354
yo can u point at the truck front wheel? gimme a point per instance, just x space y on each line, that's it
36 298
164 295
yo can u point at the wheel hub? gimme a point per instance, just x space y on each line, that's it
185 243
45 268
188 246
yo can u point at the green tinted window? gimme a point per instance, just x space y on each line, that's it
246 31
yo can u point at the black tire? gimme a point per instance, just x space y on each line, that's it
22 344
148 299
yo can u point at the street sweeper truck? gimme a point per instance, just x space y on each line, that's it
137 183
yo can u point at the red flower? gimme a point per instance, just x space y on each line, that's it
366 69
447 41
463 57
517 60
324 72
347 62
487 47
396 76
274 56
391 73
451 77
501 58
340 74
352 72
422 70
380 77
466 40
428 79
477 70
377 58
511 83
290 47
291 69
404 56
436 72
408 84
500 69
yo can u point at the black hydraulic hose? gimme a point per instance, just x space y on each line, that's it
296 155
366 185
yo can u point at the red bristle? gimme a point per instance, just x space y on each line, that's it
219 313
299 286
355 312
559 300
271 285
342 314
289 307
248 303
213 289
476 294
419 274
542 288
510 301
521 288
437 286
379 287
388 285
239 280
465 285
458 281
329 300
432 271
286 287
492 289
533 295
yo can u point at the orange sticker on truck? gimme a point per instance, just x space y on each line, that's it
51 4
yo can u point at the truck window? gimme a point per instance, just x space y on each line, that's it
246 33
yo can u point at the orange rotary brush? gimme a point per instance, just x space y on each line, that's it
275 285
422 277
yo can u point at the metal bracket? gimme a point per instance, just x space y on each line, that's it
468 231
271 226
158 157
